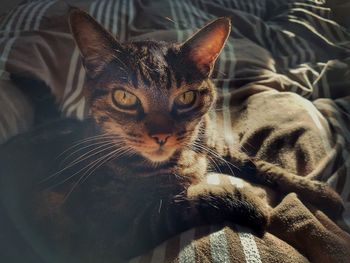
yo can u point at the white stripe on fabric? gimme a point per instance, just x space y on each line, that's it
326 24
77 92
190 14
315 92
21 12
181 18
7 29
115 29
302 55
307 48
123 12
71 72
4 55
249 246
228 132
290 53
100 10
42 12
312 29
20 19
218 246
31 17
187 254
131 16
107 20
81 108
158 255
8 17
179 32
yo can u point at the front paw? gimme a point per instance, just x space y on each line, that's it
254 213
218 203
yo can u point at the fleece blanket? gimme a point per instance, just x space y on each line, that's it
275 47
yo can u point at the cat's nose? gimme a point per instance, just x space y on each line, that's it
161 138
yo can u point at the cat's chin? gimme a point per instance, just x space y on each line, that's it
158 156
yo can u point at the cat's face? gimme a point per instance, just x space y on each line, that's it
151 95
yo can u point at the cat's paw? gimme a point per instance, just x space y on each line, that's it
254 212
218 203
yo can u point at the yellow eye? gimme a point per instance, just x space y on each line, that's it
124 99
185 99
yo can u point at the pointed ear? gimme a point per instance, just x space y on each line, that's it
97 46
204 47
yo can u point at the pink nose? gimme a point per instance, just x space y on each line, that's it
161 138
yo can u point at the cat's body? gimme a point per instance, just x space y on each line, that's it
137 174
124 208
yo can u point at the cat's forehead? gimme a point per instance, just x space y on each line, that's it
152 64
151 67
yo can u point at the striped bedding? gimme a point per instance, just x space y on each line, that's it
300 46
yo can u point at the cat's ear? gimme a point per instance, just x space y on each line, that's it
204 47
97 46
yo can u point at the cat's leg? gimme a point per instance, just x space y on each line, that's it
197 205
226 202
315 192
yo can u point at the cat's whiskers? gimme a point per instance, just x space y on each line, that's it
79 142
93 166
92 153
71 176
82 148
217 167
87 154
102 160
217 155
177 176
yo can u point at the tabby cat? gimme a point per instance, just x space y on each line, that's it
143 157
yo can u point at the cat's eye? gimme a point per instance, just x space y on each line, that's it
186 99
124 99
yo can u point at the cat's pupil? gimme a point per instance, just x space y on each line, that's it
186 99
124 99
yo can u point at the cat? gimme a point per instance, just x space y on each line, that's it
150 142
